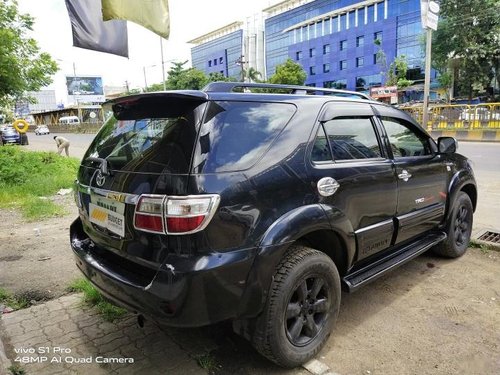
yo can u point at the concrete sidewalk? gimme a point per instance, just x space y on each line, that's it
64 336
64 330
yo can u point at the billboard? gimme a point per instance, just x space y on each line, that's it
85 88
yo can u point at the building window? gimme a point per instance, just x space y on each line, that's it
343 45
312 52
215 62
326 49
360 41
312 70
378 36
343 65
360 61
221 60
338 84
209 63
222 72
298 55
377 59
326 68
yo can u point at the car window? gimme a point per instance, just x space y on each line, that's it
236 134
321 149
352 138
404 141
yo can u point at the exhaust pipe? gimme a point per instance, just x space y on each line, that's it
141 320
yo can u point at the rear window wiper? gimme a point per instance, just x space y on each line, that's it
104 165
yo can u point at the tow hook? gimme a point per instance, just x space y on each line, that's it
141 320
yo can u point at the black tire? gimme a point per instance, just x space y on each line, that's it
458 229
306 287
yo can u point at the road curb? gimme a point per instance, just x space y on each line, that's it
474 135
490 245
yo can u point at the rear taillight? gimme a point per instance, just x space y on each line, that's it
149 213
174 215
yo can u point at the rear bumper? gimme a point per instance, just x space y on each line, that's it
185 292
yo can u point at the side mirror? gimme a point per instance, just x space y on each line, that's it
447 145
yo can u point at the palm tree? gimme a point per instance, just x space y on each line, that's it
253 75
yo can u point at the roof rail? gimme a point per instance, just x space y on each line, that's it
300 90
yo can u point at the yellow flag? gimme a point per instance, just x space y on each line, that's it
152 14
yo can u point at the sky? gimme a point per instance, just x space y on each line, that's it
188 20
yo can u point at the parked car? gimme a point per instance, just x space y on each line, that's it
42 129
202 206
10 135
69 120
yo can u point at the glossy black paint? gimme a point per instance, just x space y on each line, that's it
224 271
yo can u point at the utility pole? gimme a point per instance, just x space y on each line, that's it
427 81
241 62
145 82
162 65
77 98
430 16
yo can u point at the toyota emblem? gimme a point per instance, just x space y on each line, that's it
100 179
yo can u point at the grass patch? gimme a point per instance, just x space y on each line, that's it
479 245
208 363
27 176
92 297
14 302
16 370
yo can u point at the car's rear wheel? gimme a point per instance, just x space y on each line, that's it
301 308
459 228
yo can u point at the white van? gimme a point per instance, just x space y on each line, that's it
71 120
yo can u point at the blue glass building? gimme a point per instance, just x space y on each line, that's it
334 41
219 51
337 42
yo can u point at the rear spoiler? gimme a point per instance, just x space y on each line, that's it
162 104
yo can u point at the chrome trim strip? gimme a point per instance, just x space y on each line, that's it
374 226
113 195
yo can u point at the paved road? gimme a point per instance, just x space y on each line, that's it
486 158
79 143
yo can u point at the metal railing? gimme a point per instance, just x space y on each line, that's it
459 117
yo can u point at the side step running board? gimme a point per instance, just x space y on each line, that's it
373 271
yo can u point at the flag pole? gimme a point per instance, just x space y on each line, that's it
162 65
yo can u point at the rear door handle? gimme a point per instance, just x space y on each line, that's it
404 175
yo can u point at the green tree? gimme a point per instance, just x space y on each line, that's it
191 79
289 73
23 67
253 75
219 77
396 74
181 78
468 34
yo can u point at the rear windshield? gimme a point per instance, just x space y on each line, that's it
160 142
235 135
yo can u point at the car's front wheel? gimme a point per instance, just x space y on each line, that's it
301 308
459 228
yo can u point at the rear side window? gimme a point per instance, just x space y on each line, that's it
235 135
349 138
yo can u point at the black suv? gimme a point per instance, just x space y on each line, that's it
259 207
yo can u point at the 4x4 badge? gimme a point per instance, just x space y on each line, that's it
100 179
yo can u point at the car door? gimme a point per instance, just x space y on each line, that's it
347 149
421 177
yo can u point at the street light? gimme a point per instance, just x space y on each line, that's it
145 80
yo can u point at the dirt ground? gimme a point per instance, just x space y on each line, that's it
35 257
430 316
